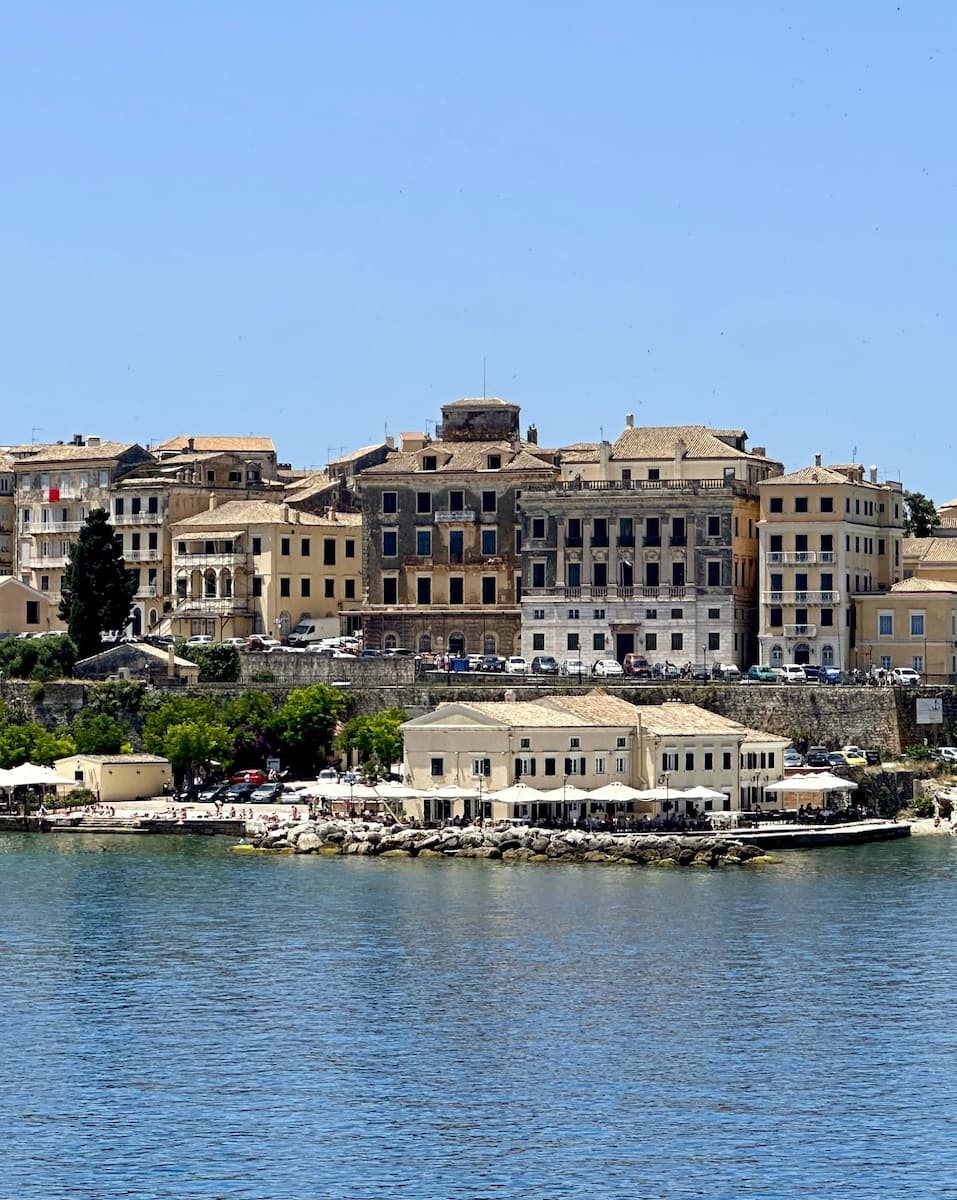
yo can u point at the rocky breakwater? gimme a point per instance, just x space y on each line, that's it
506 843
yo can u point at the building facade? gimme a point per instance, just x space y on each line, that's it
913 624
827 537
647 546
441 534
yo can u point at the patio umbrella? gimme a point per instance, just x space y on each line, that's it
617 793
31 775
519 793
566 795
700 792
823 782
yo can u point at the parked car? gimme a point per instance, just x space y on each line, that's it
760 673
946 754
793 673
837 760
328 775
238 793
606 667
516 665
636 665
370 652
239 642
812 672
854 756
830 674
817 756
259 642
905 677
793 758
700 671
266 793
493 663
726 672
252 775
199 639
475 662
545 664
572 666
209 795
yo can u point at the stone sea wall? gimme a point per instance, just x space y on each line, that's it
515 844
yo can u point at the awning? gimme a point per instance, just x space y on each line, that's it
824 782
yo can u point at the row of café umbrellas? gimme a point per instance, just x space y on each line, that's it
30 775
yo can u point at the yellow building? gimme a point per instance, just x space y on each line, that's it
827 537
117 778
24 609
257 566
914 624
930 558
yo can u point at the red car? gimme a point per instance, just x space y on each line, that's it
250 776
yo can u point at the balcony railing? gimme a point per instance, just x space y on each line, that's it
147 589
798 558
235 559
455 514
626 539
651 541
48 528
678 539
611 592
601 542
737 486
154 555
802 597
800 630
140 518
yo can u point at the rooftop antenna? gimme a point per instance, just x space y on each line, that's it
854 455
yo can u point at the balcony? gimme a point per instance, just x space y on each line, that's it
458 515
146 590
651 541
48 528
611 592
234 559
600 543
798 558
211 606
575 542
626 539
140 518
801 597
678 539
154 555
800 631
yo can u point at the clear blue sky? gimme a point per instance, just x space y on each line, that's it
314 220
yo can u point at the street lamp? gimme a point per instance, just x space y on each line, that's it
663 782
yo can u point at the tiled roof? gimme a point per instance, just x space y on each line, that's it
216 443
260 512
121 758
526 713
932 549
481 402
596 708
68 452
918 583
680 719
808 475
658 441
356 454
456 457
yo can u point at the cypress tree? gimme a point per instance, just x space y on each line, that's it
97 590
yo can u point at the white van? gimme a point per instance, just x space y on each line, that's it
793 673
313 629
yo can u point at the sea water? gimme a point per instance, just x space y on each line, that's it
180 1021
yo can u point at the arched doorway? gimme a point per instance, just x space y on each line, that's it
456 644
136 622
802 653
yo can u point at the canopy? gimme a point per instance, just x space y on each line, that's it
700 792
661 793
823 782
31 775
519 793
616 792
569 794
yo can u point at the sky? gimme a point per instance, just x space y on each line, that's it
323 221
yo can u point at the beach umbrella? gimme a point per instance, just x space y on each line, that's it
31 775
616 793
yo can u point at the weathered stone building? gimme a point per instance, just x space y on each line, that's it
441 534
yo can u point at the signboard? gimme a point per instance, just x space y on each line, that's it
930 712
272 764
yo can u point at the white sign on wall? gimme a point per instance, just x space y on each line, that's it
930 712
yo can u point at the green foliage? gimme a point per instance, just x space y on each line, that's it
30 742
923 806
252 721
217 663
920 515
175 710
98 733
306 722
377 739
97 590
37 691
919 752
43 658
192 745
121 699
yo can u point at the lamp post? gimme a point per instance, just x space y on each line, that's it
663 782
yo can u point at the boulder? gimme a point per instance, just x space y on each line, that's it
307 842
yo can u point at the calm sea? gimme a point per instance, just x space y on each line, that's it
177 1021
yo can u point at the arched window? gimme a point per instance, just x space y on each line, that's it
457 644
827 656
390 641
209 583
226 583
489 644
153 616
777 656
425 643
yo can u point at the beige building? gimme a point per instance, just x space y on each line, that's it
930 558
254 458
56 487
117 778
256 566
914 624
828 536
8 513
24 609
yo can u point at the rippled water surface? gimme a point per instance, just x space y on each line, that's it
178 1021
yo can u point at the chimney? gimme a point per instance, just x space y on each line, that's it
390 442
604 458
817 460
191 444
873 473
78 439
93 441
532 435
170 662
212 501
760 451
629 420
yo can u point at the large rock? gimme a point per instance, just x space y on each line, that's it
307 842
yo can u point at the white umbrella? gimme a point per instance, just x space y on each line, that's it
823 782
700 792
568 794
617 792
31 775
661 793
519 793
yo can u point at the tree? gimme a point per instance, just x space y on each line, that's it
217 663
306 723
38 658
194 744
920 515
99 733
97 590
376 738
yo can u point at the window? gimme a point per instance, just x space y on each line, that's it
714 527
305 585
538 527
827 542
574 766
708 760
257 585
677 614
714 614
284 586
669 760
488 589
285 545
917 624
651 614
651 641
621 765
488 502
598 641
800 504
776 543
423 589
827 616
456 501
885 624
600 765
654 473
571 641
437 768
33 612
827 504
390 543
598 614
776 618
118 506
494 462
524 766
538 641
726 760
153 541
329 588
134 542
550 766
350 589
573 614
429 462
714 574
257 545
489 541
350 548
917 662
390 502
456 589
44 583
423 542
689 760
481 768
714 641
677 641
423 502
776 504
390 590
